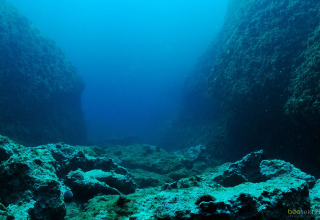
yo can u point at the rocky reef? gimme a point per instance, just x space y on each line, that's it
40 90
257 87
266 71
262 73
59 181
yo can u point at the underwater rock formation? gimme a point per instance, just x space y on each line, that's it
245 170
262 70
29 186
145 179
149 158
37 181
201 197
267 73
267 61
59 181
86 187
40 90
271 169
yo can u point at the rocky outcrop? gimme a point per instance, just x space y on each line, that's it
315 198
40 90
59 181
145 179
84 187
271 169
37 182
267 73
262 70
30 187
123 183
149 158
86 175
284 196
267 60
278 198
69 158
194 153
245 170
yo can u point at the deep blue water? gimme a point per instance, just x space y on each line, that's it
133 55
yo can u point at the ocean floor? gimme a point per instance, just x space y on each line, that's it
140 182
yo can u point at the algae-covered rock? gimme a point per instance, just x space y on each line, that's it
194 153
315 191
70 158
262 73
266 200
248 166
37 182
30 188
149 158
84 187
199 197
4 213
245 170
315 198
124 183
7 149
179 174
146 179
271 169
40 90
105 207
267 72
264 55
81 160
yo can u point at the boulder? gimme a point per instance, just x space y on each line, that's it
85 187
31 189
271 169
245 170
123 183
70 158
81 160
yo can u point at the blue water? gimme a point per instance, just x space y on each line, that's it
134 55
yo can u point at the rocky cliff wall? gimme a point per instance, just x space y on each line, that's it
267 72
269 58
40 91
265 69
